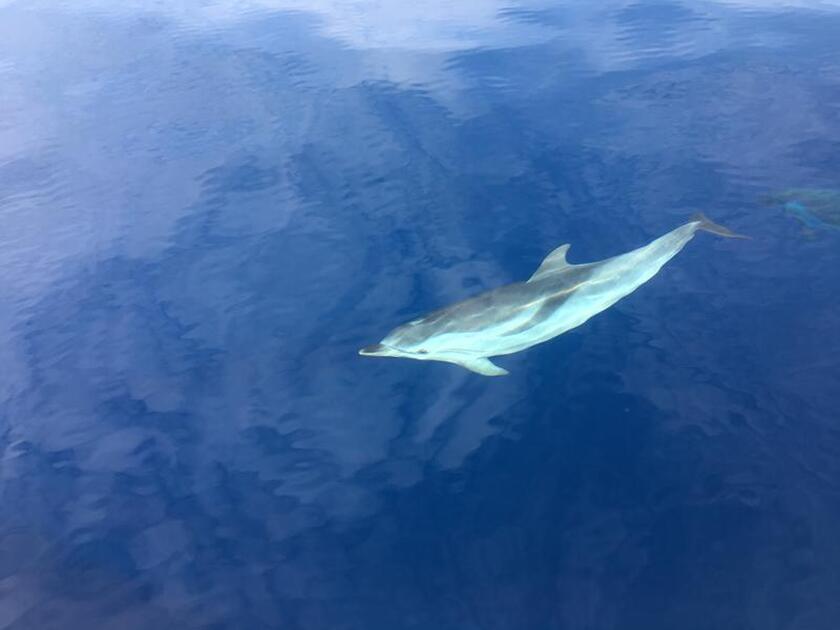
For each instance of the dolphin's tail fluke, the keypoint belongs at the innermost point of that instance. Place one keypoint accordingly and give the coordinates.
(710, 226)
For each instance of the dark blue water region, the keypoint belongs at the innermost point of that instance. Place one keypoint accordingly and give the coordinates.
(208, 208)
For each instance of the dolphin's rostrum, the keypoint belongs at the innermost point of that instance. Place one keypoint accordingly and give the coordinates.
(558, 297)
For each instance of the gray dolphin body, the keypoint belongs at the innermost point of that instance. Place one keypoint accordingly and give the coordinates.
(558, 297)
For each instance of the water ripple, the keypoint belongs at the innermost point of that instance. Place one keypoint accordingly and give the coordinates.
(208, 208)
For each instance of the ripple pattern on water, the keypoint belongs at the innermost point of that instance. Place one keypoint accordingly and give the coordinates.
(207, 208)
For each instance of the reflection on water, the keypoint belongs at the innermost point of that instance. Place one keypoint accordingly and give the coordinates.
(207, 209)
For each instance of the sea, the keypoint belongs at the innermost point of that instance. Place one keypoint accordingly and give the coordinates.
(207, 207)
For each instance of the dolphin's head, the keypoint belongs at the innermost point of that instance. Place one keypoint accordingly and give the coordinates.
(409, 341)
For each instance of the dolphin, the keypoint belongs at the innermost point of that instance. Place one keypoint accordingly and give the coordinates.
(559, 296)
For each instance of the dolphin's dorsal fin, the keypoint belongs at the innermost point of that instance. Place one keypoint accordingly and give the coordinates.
(555, 261)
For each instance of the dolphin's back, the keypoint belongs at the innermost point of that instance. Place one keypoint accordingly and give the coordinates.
(557, 298)
(501, 314)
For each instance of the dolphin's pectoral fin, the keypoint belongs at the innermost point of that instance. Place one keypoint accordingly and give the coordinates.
(480, 365)
(555, 261)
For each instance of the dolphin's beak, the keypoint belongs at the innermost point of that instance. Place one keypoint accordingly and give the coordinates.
(374, 350)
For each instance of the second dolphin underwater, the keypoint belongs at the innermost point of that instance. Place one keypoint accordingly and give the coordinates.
(558, 297)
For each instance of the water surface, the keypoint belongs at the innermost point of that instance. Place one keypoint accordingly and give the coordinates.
(207, 209)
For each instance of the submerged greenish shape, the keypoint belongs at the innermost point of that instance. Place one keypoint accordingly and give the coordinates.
(816, 208)
(559, 296)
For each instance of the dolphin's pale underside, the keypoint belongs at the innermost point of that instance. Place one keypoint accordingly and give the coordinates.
(558, 297)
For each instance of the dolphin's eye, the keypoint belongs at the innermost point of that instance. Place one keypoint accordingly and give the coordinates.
(422, 352)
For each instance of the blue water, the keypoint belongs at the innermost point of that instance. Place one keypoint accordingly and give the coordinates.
(208, 208)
